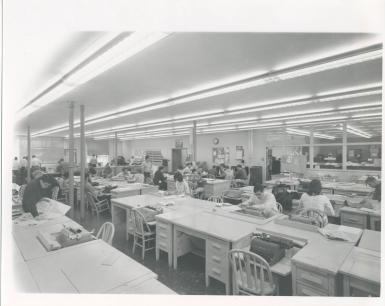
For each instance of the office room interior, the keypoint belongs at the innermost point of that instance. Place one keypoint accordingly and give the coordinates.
(199, 163)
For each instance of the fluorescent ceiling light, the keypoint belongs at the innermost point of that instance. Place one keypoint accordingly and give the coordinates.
(317, 120)
(367, 115)
(346, 89)
(313, 111)
(360, 105)
(308, 133)
(233, 120)
(119, 52)
(201, 114)
(358, 132)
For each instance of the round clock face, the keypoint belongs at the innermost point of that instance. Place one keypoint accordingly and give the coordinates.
(215, 141)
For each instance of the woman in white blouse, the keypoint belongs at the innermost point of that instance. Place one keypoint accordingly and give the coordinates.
(316, 201)
(181, 185)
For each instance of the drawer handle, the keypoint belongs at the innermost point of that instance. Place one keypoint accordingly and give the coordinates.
(216, 246)
(352, 220)
(216, 259)
(313, 279)
(216, 271)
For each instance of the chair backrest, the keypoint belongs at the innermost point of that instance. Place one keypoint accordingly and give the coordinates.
(91, 200)
(215, 199)
(279, 207)
(252, 274)
(55, 192)
(319, 216)
(106, 232)
(140, 224)
(21, 193)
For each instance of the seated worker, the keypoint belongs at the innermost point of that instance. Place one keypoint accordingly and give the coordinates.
(126, 173)
(180, 170)
(229, 174)
(37, 190)
(221, 174)
(159, 178)
(313, 199)
(262, 200)
(373, 201)
(187, 169)
(212, 173)
(91, 169)
(88, 188)
(240, 175)
(107, 171)
(181, 185)
(197, 183)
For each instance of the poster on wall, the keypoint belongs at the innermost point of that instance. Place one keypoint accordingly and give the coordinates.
(221, 155)
(239, 152)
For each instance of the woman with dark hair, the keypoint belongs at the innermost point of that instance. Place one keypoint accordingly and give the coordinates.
(147, 168)
(159, 179)
(262, 200)
(313, 199)
(181, 185)
(88, 188)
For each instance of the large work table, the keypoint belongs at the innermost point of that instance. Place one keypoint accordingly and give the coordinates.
(90, 267)
(198, 226)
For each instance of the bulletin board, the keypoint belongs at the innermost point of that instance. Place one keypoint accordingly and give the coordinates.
(221, 155)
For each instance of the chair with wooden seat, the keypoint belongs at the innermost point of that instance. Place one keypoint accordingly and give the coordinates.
(106, 232)
(143, 234)
(319, 216)
(251, 274)
(215, 199)
(21, 193)
(96, 205)
(279, 207)
(55, 193)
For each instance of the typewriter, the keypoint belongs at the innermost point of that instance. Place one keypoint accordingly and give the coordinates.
(271, 248)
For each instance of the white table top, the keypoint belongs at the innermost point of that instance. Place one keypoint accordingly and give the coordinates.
(363, 264)
(85, 269)
(150, 286)
(371, 240)
(215, 225)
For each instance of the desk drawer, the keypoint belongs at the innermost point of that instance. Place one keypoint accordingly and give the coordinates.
(313, 278)
(217, 263)
(354, 220)
(307, 290)
(362, 288)
(163, 236)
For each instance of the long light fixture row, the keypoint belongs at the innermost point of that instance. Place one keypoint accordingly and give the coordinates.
(292, 117)
(367, 91)
(240, 83)
(112, 50)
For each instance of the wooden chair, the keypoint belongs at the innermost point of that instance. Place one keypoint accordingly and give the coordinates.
(21, 193)
(143, 234)
(317, 215)
(279, 207)
(215, 199)
(55, 193)
(106, 232)
(96, 205)
(251, 274)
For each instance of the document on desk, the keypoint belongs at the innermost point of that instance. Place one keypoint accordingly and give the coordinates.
(335, 234)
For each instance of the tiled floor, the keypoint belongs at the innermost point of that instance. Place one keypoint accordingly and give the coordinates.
(189, 278)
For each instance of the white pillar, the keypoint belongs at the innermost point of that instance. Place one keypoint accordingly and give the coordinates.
(71, 157)
(28, 153)
(311, 149)
(344, 145)
(82, 163)
(250, 156)
(194, 141)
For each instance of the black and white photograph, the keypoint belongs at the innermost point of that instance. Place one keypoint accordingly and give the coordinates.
(191, 160)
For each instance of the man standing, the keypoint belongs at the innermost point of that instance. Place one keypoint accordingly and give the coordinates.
(147, 169)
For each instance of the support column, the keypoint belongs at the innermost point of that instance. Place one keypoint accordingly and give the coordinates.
(194, 141)
(82, 164)
(71, 150)
(250, 156)
(116, 147)
(311, 149)
(344, 145)
(28, 154)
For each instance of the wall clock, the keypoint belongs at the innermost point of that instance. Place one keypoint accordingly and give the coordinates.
(215, 141)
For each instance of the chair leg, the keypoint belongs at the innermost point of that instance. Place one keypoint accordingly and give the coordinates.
(134, 244)
(143, 247)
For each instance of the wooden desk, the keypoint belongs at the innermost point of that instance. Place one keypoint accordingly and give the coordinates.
(81, 269)
(361, 272)
(354, 217)
(371, 240)
(220, 234)
(215, 187)
(132, 190)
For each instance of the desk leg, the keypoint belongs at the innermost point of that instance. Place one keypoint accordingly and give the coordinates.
(345, 286)
(170, 258)
(276, 282)
(174, 246)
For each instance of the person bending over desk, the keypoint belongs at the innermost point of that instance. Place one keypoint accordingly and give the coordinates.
(240, 176)
(374, 199)
(126, 173)
(262, 200)
(97, 194)
(107, 171)
(159, 179)
(312, 199)
(181, 185)
(37, 190)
